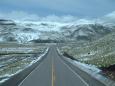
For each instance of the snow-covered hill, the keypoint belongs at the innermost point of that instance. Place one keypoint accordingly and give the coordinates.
(86, 31)
(26, 31)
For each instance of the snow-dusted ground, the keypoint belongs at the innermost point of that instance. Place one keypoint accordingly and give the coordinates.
(34, 61)
(6, 76)
(91, 70)
(86, 67)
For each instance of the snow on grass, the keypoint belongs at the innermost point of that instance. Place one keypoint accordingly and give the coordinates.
(36, 60)
(91, 70)
(5, 77)
(19, 68)
(87, 67)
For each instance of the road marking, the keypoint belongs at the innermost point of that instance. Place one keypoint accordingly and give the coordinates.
(53, 73)
(21, 83)
(74, 73)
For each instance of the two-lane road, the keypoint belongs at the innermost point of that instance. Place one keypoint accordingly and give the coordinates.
(53, 72)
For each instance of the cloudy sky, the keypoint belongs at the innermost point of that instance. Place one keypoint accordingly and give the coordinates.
(79, 8)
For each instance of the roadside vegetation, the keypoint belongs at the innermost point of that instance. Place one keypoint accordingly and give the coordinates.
(100, 53)
(16, 57)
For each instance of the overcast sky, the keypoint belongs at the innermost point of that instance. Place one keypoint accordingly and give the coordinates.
(79, 8)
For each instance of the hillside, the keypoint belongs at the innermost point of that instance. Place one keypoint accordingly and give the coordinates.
(29, 31)
(100, 53)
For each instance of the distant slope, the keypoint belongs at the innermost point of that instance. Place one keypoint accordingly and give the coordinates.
(87, 32)
(29, 31)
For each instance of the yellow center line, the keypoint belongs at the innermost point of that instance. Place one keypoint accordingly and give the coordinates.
(53, 73)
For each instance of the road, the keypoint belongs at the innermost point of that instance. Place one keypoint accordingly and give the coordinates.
(53, 71)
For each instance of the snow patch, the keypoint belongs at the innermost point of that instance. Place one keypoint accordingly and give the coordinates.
(87, 67)
(5, 77)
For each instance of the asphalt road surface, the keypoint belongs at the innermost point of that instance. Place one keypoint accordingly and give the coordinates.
(53, 72)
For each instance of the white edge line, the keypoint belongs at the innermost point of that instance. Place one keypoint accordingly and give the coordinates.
(74, 72)
(34, 69)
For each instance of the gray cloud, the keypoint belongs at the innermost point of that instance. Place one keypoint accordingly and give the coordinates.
(21, 15)
(90, 8)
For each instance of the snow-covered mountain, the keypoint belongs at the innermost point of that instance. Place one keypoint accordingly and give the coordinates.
(86, 31)
(26, 31)
(10, 31)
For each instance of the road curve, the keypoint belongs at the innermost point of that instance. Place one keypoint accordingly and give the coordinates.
(53, 72)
